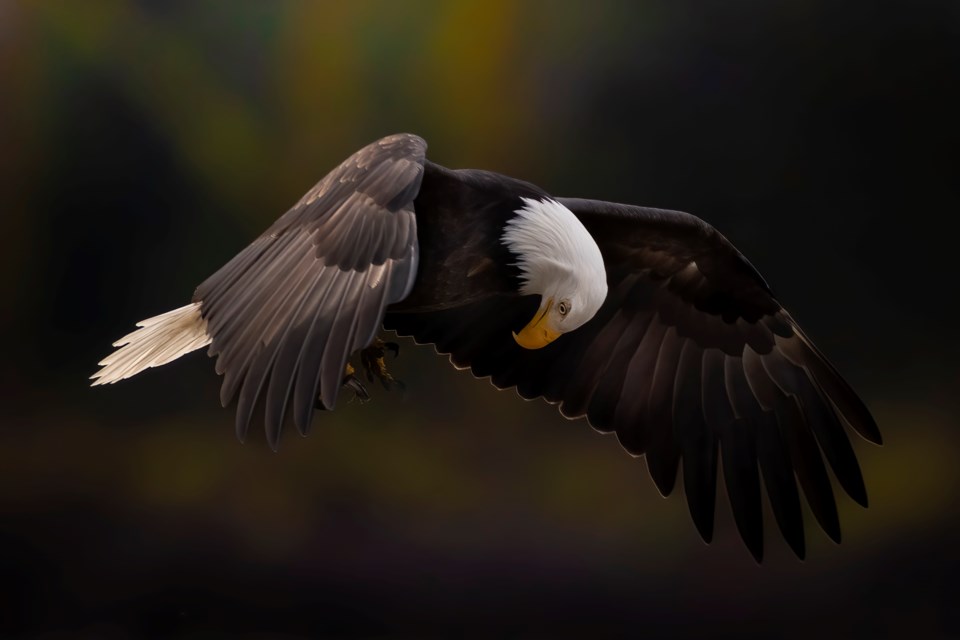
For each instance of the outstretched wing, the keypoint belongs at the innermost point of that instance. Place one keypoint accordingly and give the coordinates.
(285, 314)
(690, 358)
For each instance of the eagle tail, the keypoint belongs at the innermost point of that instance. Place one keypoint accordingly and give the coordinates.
(159, 340)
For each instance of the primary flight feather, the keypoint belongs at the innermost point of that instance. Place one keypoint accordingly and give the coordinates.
(646, 321)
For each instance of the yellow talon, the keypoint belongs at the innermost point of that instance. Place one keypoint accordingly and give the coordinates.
(374, 363)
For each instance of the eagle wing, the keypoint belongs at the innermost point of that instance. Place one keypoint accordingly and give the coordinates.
(690, 358)
(285, 314)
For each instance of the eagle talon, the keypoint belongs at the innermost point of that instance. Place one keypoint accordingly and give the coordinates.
(373, 360)
(389, 382)
(360, 392)
(351, 382)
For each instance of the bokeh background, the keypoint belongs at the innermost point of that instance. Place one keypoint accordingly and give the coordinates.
(143, 143)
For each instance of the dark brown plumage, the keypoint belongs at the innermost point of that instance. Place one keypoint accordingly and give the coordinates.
(691, 360)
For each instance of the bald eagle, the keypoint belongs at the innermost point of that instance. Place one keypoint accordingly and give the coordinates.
(647, 322)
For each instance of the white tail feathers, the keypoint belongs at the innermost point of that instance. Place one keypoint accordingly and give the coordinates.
(159, 340)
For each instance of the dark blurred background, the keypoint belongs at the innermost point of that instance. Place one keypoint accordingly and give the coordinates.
(144, 143)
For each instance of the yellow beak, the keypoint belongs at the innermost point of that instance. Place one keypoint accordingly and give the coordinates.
(537, 334)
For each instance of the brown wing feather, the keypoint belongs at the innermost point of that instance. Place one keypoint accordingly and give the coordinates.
(287, 311)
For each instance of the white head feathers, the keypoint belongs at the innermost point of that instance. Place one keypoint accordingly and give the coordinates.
(558, 258)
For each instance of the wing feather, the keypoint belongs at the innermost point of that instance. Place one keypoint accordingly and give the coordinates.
(663, 454)
(778, 478)
(606, 398)
(738, 444)
(240, 343)
(596, 358)
(630, 416)
(286, 313)
(287, 363)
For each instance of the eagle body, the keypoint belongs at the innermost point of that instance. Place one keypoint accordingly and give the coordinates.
(461, 216)
(647, 322)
